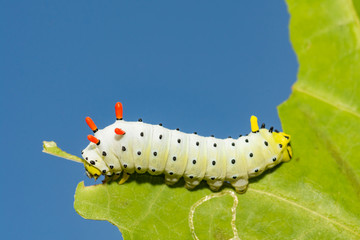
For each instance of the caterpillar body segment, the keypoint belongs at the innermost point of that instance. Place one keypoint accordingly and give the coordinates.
(129, 147)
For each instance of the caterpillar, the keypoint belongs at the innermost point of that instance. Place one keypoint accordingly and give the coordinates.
(126, 147)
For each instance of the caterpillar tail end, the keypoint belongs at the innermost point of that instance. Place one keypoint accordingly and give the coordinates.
(254, 124)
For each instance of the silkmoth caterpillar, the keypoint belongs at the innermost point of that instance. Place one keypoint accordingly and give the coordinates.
(127, 147)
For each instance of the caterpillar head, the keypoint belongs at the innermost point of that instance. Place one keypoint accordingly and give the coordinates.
(94, 164)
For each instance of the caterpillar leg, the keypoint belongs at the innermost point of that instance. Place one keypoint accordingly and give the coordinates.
(240, 185)
(215, 184)
(171, 180)
(124, 178)
(191, 183)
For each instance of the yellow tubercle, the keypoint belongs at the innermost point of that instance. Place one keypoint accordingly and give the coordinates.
(254, 124)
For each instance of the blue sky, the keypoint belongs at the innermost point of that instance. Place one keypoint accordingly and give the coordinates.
(200, 66)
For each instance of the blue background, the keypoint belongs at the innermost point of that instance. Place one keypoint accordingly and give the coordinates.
(200, 66)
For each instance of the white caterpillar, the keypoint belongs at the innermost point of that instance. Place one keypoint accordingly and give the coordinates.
(128, 147)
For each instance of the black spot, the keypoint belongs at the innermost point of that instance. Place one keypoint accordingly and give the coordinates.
(212, 178)
(139, 153)
(280, 145)
(179, 140)
(266, 143)
(233, 161)
(214, 163)
(139, 168)
(234, 177)
(96, 175)
(87, 158)
(271, 129)
(82, 152)
(153, 170)
(194, 161)
(141, 134)
(277, 131)
(251, 154)
(117, 173)
(92, 162)
(123, 148)
(104, 153)
(195, 132)
(177, 129)
(160, 124)
(256, 170)
(155, 153)
(215, 144)
(247, 140)
(125, 165)
(174, 158)
(287, 137)
(240, 135)
(191, 177)
(160, 136)
(171, 173)
(104, 171)
(274, 159)
(140, 120)
(111, 166)
(233, 144)
(263, 125)
(197, 143)
(128, 173)
(212, 136)
(229, 136)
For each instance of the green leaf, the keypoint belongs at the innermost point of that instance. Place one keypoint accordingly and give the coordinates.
(314, 196)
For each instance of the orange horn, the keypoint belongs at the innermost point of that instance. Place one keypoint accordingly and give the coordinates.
(91, 124)
(93, 139)
(118, 111)
(119, 131)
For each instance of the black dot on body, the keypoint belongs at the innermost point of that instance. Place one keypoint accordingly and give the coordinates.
(153, 170)
(140, 120)
(155, 153)
(212, 178)
(104, 171)
(104, 153)
(82, 152)
(87, 158)
(179, 140)
(125, 165)
(197, 143)
(256, 170)
(251, 154)
(274, 159)
(111, 166)
(141, 134)
(212, 136)
(233, 161)
(123, 148)
(178, 129)
(247, 140)
(160, 136)
(191, 177)
(215, 145)
(174, 158)
(92, 162)
(195, 132)
(233, 144)
(266, 143)
(139, 168)
(171, 173)
(138, 153)
(280, 145)
(234, 177)
(194, 161)
(213, 163)
(160, 124)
